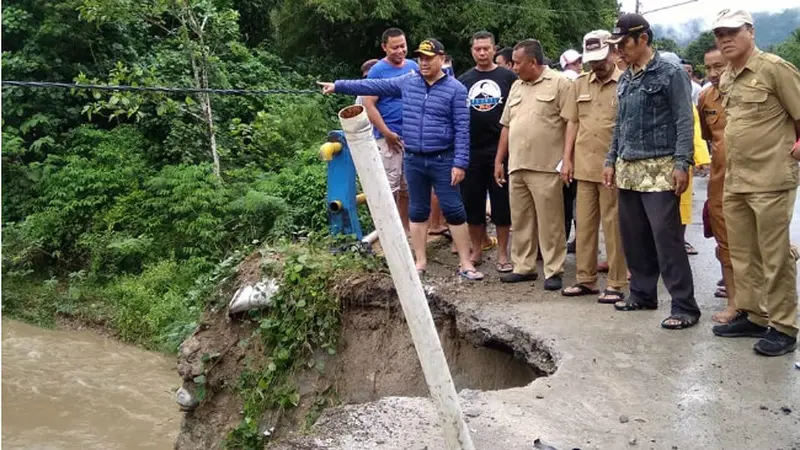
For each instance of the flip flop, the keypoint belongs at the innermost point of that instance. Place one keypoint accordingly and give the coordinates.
(689, 249)
(721, 293)
(470, 274)
(580, 292)
(610, 297)
(684, 321)
(492, 245)
(504, 267)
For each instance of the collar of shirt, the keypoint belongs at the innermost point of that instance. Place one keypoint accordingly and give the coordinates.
(614, 76)
(547, 73)
(636, 69)
(751, 64)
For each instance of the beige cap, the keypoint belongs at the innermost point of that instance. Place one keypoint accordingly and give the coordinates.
(732, 18)
(595, 45)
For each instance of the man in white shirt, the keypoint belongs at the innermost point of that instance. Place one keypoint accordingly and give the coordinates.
(571, 64)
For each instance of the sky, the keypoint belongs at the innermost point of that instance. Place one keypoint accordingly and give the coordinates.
(706, 9)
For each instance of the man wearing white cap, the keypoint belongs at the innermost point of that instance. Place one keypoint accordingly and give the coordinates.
(592, 114)
(571, 64)
(761, 97)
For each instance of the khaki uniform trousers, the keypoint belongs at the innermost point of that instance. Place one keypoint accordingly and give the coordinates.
(596, 203)
(765, 272)
(716, 216)
(537, 215)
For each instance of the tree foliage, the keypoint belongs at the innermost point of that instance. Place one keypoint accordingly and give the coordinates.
(790, 48)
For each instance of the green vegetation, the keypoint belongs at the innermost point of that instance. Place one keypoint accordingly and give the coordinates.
(304, 317)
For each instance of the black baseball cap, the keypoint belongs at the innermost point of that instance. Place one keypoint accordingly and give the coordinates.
(430, 47)
(628, 24)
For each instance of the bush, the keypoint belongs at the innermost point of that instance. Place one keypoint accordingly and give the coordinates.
(152, 309)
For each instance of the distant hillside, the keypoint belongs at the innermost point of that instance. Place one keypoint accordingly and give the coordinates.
(771, 28)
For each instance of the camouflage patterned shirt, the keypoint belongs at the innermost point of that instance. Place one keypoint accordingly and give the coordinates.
(645, 175)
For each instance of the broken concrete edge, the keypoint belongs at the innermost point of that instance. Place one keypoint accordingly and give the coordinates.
(362, 291)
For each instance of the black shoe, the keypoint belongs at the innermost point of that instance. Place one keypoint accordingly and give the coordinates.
(740, 326)
(519, 277)
(553, 283)
(571, 247)
(775, 343)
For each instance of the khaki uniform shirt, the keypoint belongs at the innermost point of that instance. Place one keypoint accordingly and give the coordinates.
(535, 121)
(762, 102)
(712, 126)
(593, 105)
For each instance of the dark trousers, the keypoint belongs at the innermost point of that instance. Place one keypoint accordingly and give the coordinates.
(650, 225)
(569, 206)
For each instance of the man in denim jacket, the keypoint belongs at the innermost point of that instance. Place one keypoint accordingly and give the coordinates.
(650, 155)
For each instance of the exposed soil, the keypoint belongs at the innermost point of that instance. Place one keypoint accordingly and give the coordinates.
(376, 358)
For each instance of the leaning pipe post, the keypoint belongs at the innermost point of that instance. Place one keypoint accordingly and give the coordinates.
(364, 150)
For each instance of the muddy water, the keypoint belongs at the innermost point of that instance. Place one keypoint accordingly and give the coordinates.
(77, 390)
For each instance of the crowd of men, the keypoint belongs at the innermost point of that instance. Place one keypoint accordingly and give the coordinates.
(623, 140)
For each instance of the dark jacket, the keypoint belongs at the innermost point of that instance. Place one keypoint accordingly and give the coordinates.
(655, 117)
(435, 117)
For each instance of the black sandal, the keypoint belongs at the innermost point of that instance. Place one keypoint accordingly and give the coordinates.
(633, 304)
(616, 296)
(582, 290)
(684, 321)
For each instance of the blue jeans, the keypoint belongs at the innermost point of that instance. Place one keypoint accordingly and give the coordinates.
(424, 172)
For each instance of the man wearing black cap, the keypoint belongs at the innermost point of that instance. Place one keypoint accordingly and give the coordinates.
(650, 155)
(436, 137)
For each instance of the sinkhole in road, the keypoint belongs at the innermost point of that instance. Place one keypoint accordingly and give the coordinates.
(377, 357)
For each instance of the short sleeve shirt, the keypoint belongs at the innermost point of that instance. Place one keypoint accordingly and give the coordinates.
(712, 126)
(391, 108)
(536, 122)
(487, 96)
(593, 105)
(762, 102)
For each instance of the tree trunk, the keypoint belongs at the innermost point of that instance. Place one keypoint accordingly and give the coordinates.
(201, 81)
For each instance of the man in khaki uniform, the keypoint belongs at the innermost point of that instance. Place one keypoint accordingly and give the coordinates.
(712, 126)
(761, 95)
(592, 114)
(533, 138)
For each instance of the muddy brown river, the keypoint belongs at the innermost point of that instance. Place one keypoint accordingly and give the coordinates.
(78, 390)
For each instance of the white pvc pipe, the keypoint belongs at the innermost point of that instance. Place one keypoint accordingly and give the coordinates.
(370, 238)
(364, 150)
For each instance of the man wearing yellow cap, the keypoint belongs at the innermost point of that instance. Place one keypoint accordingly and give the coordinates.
(761, 97)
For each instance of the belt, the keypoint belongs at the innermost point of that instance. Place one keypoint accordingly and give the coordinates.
(431, 153)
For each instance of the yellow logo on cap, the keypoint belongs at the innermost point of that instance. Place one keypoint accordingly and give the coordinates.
(426, 46)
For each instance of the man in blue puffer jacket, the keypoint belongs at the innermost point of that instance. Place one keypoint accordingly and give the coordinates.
(436, 140)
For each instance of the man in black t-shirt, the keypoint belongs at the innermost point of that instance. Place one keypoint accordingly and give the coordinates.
(488, 86)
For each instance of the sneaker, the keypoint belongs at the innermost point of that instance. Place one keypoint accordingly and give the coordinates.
(775, 343)
(519, 277)
(553, 283)
(740, 326)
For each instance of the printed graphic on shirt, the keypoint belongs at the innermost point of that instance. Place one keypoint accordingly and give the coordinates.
(485, 95)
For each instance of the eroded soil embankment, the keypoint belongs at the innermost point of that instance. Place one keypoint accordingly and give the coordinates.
(376, 358)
